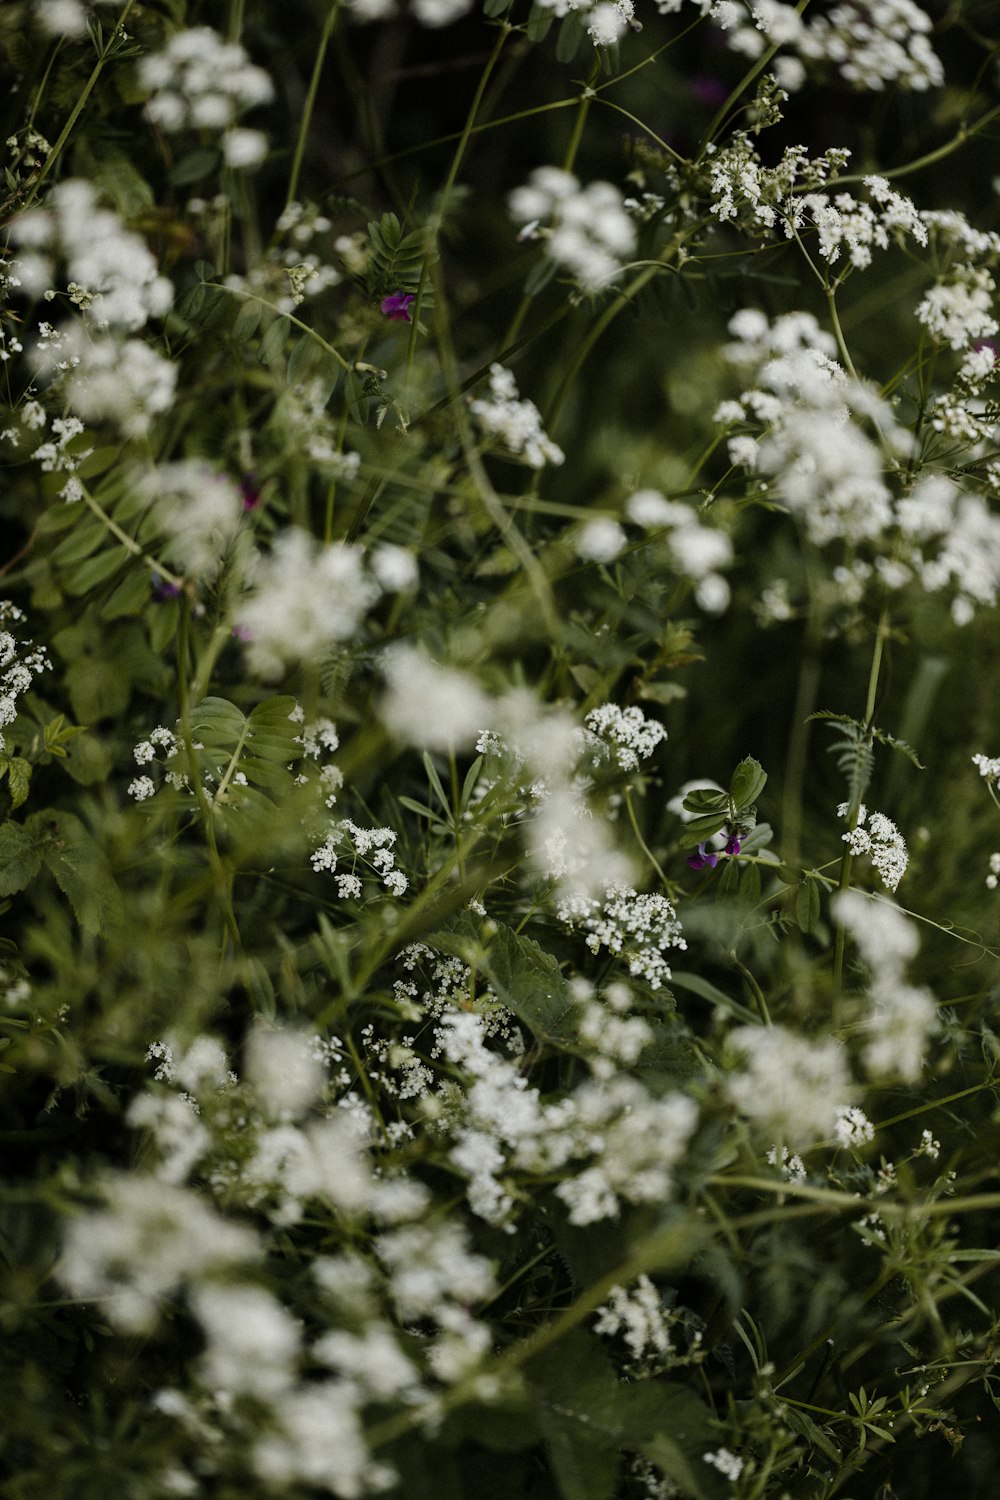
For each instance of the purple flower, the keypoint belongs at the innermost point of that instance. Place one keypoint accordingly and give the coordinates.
(163, 589)
(732, 844)
(397, 306)
(249, 493)
(699, 860)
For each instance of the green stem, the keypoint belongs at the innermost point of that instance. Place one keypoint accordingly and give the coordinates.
(847, 858)
(78, 107)
(310, 104)
(235, 291)
(647, 851)
(128, 542)
(964, 134)
(222, 879)
(576, 135)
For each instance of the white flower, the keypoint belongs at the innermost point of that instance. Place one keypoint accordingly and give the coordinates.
(305, 599)
(432, 706)
(600, 540)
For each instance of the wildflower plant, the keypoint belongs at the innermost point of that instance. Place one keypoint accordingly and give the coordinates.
(433, 435)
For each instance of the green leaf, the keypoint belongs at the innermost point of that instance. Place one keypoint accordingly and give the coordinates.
(704, 988)
(748, 782)
(700, 829)
(523, 975)
(81, 871)
(529, 982)
(194, 166)
(95, 571)
(896, 744)
(571, 34)
(20, 856)
(247, 321)
(807, 905)
(18, 779)
(272, 345)
(704, 800)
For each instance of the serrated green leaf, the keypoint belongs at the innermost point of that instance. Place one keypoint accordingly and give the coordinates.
(20, 856)
(893, 743)
(81, 871)
(18, 779)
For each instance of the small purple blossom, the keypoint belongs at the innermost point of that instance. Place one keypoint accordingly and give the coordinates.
(397, 306)
(700, 859)
(732, 844)
(249, 493)
(164, 589)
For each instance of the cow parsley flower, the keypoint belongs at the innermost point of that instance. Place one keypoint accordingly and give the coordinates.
(789, 1083)
(304, 599)
(879, 838)
(587, 230)
(514, 423)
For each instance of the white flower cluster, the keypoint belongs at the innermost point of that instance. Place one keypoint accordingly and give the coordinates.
(156, 1239)
(872, 43)
(199, 511)
(115, 276)
(988, 766)
(881, 840)
(628, 1140)
(744, 189)
(113, 280)
(993, 878)
(587, 230)
(902, 1018)
(617, 1038)
(624, 733)
(853, 1128)
(729, 1464)
(201, 82)
(965, 534)
(831, 473)
(789, 1084)
(959, 311)
(433, 13)
(829, 470)
(20, 663)
(514, 424)
(429, 705)
(696, 551)
(372, 846)
(639, 1318)
(304, 599)
(165, 740)
(637, 928)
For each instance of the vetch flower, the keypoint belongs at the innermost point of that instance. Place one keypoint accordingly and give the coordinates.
(397, 306)
(732, 844)
(700, 859)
